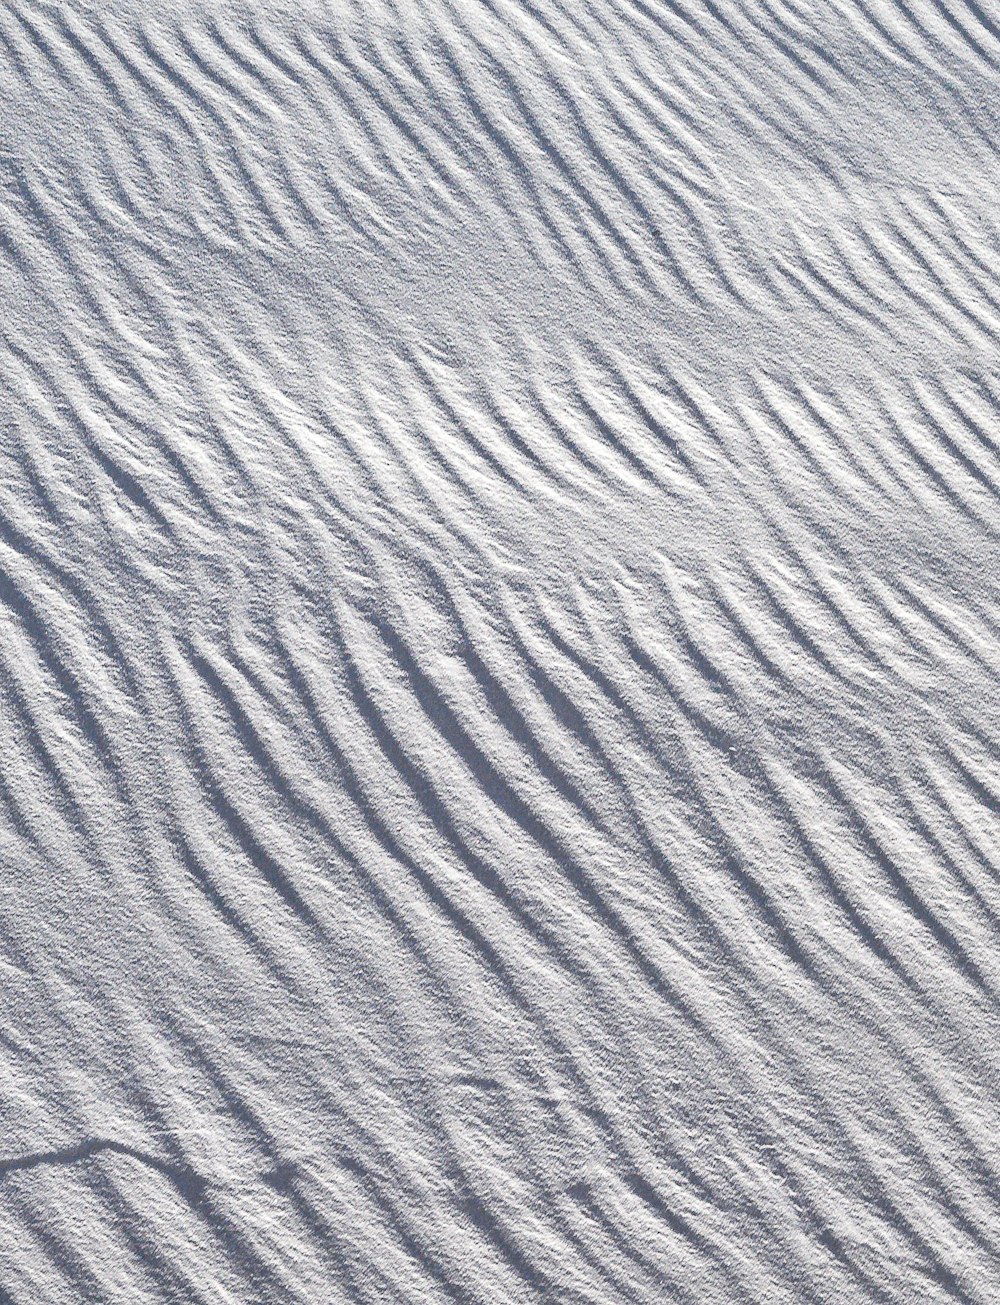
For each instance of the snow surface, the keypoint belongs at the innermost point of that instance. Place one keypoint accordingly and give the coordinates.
(499, 562)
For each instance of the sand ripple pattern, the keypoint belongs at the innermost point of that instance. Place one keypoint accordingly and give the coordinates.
(499, 652)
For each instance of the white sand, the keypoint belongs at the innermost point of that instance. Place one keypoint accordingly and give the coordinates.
(499, 641)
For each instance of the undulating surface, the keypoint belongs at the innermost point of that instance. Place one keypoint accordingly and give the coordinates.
(499, 554)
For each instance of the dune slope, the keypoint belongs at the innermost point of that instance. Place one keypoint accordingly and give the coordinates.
(499, 640)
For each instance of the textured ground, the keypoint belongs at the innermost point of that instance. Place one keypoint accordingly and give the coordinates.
(499, 645)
